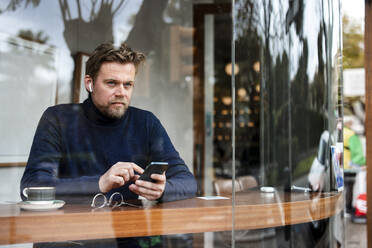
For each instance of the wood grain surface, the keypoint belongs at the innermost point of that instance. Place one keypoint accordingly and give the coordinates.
(253, 210)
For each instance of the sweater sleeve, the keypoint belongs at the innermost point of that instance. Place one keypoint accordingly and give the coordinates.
(181, 183)
(45, 158)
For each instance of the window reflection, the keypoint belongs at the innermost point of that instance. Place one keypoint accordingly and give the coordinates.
(287, 90)
(34, 86)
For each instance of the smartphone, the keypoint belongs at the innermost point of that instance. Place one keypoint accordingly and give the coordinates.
(153, 168)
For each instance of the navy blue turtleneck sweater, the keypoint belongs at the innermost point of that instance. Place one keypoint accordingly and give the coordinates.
(75, 144)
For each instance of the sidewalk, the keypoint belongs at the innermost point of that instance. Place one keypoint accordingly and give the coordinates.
(355, 234)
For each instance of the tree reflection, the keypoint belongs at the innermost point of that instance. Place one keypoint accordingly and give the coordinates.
(15, 4)
(292, 102)
(98, 28)
(81, 35)
(261, 27)
(148, 21)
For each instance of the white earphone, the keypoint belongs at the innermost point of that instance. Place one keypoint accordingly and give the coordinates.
(90, 87)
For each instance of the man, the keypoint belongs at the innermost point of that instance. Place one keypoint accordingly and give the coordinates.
(353, 149)
(354, 165)
(103, 144)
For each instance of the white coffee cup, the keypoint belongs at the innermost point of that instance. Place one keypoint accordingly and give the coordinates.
(40, 195)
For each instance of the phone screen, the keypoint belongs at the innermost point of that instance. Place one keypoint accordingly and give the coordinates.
(153, 168)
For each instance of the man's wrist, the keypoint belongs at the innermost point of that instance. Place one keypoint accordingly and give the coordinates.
(100, 186)
(160, 199)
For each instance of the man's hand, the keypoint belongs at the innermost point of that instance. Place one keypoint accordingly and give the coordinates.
(151, 191)
(118, 175)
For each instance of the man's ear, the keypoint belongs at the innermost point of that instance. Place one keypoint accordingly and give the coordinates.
(88, 81)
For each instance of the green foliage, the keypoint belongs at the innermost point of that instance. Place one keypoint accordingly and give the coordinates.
(353, 43)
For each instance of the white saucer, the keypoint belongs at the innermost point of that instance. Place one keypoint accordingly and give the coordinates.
(40, 202)
(267, 189)
(37, 206)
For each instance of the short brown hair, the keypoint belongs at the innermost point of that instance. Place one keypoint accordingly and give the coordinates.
(108, 53)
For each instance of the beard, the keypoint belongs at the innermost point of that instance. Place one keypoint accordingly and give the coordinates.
(114, 111)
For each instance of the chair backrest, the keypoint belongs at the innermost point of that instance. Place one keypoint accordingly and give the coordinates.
(224, 186)
(247, 182)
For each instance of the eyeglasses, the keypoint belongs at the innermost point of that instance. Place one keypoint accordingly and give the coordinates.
(110, 203)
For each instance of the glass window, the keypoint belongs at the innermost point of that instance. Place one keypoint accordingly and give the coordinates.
(287, 60)
(239, 101)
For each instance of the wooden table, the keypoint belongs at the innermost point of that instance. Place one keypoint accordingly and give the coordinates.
(253, 210)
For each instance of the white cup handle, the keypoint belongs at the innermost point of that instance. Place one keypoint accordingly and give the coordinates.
(24, 192)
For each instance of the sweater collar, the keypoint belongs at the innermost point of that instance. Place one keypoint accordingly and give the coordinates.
(94, 115)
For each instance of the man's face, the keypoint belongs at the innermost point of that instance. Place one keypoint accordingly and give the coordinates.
(113, 88)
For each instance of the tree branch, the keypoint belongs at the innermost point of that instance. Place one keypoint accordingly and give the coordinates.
(79, 9)
(118, 7)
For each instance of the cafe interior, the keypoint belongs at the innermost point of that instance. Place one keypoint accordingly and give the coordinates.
(249, 92)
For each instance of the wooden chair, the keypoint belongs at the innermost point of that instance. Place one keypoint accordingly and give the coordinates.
(247, 182)
(224, 186)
